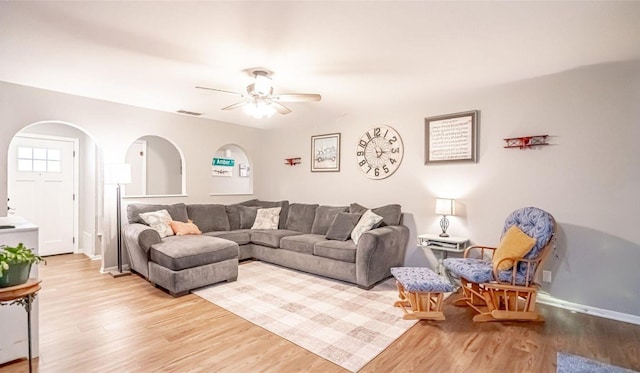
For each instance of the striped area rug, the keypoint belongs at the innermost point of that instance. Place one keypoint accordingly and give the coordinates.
(335, 320)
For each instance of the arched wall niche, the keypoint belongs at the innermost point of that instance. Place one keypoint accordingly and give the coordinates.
(231, 180)
(157, 168)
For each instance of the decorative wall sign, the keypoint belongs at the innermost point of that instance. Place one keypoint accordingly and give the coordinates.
(243, 169)
(222, 167)
(379, 152)
(325, 153)
(451, 137)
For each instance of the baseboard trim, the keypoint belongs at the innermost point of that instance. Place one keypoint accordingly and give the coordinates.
(92, 257)
(607, 314)
(125, 268)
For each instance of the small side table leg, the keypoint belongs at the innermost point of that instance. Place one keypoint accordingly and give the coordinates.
(27, 306)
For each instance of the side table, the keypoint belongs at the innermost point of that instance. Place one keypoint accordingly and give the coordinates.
(23, 295)
(444, 245)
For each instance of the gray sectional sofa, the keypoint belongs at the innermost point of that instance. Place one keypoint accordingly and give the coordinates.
(182, 263)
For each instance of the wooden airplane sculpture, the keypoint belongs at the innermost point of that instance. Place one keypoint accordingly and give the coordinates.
(292, 161)
(526, 141)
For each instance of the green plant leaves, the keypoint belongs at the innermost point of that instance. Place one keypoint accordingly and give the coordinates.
(17, 254)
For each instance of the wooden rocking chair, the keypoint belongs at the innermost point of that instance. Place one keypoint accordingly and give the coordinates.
(497, 293)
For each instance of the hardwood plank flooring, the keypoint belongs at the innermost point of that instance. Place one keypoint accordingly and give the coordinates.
(91, 322)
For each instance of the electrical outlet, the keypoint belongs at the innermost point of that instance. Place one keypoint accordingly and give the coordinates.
(546, 276)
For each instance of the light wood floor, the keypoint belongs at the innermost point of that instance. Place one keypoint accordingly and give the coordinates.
(90, 322)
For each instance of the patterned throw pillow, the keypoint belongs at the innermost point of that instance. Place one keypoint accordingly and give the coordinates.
(159, 221)
(181, 229)
(366, 222)
(267, 218)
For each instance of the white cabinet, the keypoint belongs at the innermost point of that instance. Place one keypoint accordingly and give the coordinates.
(13, 319)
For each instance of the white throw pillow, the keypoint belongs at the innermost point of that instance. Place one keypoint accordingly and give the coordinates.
(267, 218)
(366, 222)
(159, 221)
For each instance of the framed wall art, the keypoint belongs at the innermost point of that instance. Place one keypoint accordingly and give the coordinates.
(325, 153)
(451, 137)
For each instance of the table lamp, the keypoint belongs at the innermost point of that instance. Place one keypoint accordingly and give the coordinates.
(445, 207)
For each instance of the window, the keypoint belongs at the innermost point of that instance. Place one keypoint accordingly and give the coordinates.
(39, 159)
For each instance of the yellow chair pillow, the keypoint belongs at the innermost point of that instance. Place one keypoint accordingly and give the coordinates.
(514, 244)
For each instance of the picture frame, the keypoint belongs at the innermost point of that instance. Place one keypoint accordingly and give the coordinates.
(451, 137)
(325, 153)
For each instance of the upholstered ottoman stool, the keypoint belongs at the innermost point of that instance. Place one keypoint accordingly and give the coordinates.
(421, 292)
(182, 263)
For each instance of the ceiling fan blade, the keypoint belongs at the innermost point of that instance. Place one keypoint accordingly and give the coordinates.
(221, 90)
(297, 97)
(236, 105)
(280, 108)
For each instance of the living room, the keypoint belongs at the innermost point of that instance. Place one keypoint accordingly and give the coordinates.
(586, 178)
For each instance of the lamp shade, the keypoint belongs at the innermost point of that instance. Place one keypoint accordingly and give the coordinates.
(117, 173)
(445, 206)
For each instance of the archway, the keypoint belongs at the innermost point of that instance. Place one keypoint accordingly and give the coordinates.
(88, 195)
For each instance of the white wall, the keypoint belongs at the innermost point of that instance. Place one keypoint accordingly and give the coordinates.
(114, 127)
(588, 179)
(164, 167)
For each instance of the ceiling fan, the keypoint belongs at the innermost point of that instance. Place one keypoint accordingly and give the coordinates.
(259, 100)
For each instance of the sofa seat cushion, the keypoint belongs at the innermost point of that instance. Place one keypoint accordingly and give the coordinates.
(344, 251)
(182, 252)
(270, 237)
(302, 243)
(239, 236)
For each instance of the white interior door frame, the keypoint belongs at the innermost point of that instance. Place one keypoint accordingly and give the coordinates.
(76, 167)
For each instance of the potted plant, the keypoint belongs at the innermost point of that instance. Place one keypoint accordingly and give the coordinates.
(15, 264)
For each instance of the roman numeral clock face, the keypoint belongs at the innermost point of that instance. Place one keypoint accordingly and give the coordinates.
(379, 152)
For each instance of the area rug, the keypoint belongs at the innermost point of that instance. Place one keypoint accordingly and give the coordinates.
(335, 320)
(568, 363)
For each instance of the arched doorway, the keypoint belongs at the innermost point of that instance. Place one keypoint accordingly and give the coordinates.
(55, 181)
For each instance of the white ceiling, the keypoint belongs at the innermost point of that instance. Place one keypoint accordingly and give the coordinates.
(355, 54)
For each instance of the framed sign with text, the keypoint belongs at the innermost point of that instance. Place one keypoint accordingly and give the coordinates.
(451, 137)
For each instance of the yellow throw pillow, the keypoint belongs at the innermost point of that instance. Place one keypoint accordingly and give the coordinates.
(181, 229)
(514, 244)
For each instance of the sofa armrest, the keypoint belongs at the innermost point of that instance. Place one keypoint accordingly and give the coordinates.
(138, 238)
(378, 250)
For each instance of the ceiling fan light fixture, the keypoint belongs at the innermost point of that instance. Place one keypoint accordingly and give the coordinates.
(262, 84)
(259, 109)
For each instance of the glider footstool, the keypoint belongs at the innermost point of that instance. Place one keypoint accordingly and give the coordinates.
(421, 292)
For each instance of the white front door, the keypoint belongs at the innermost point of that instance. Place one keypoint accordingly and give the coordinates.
(41, 188)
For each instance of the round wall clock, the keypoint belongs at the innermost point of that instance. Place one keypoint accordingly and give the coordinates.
(379, 152)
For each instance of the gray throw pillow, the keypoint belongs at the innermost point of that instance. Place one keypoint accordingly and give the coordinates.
(342, 225)
(324, 217)
(247, 216)
(391, 214)
(233, 213)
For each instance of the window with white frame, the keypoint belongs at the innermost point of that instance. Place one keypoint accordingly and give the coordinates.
(38, 159)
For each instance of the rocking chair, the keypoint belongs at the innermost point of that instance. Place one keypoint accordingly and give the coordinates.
(499, 283)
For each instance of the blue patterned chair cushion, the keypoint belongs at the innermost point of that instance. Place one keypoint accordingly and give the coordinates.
(421, 280)
(535, 223)
(479, 271)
